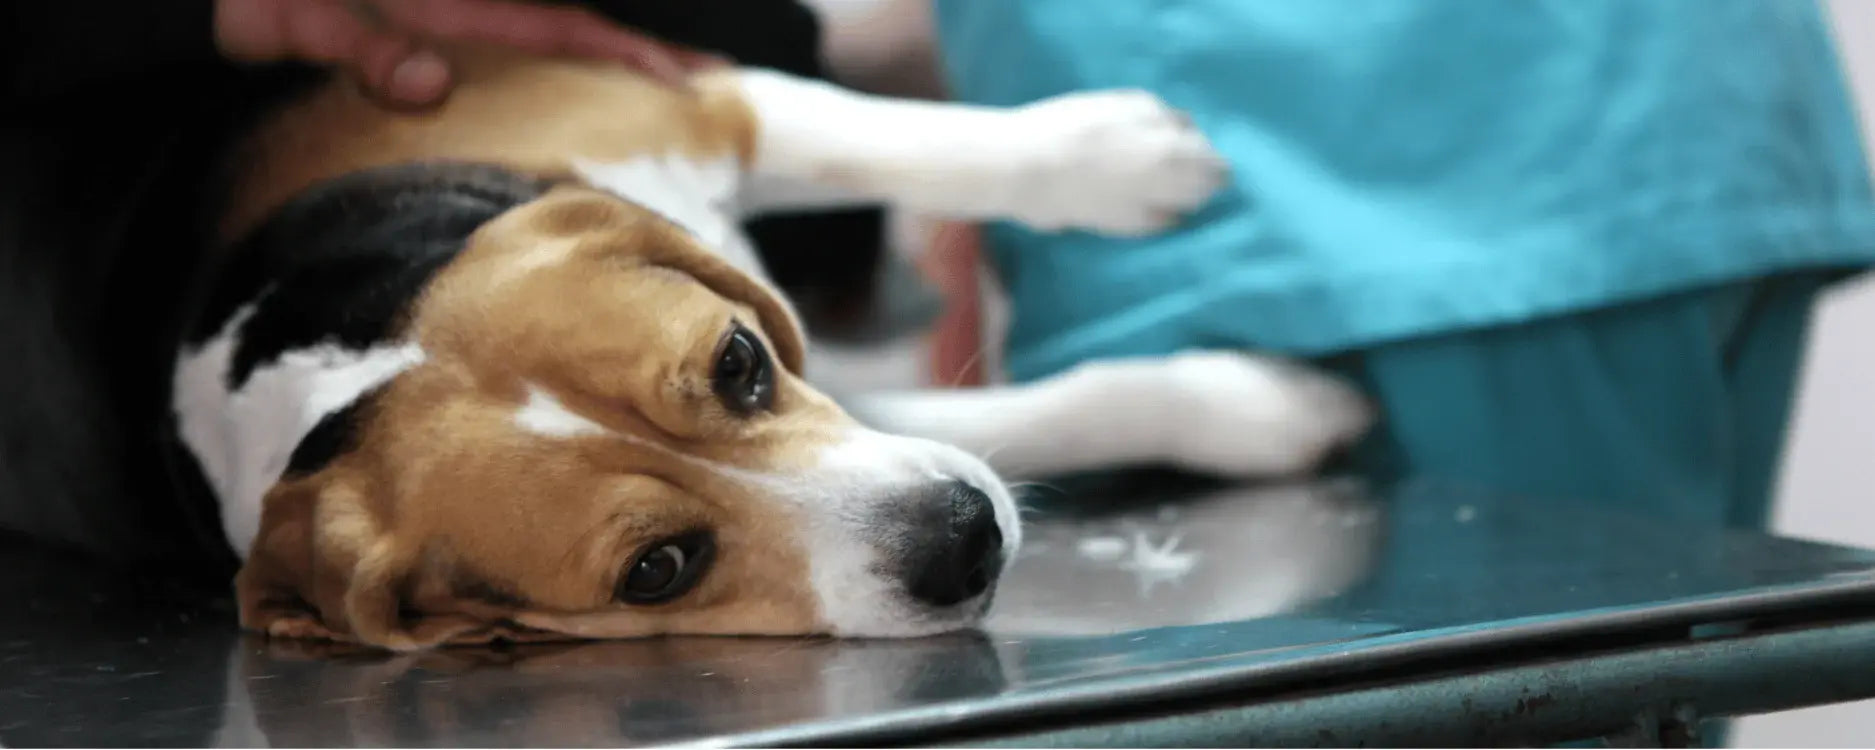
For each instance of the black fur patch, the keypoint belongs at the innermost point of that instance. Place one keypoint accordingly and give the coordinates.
(333, 435)
(341, 263)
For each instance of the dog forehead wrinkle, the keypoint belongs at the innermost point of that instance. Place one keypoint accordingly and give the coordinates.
(534, 258)
(780, 486)
(543, 414)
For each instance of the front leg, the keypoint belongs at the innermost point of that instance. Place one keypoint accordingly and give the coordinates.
(1117, 162)
(1222, 413)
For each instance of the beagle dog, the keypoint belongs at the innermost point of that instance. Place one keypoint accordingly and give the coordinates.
(510, 369)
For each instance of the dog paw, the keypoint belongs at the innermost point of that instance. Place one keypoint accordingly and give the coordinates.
(1118, 162)
(303, 628)
(1244, 416)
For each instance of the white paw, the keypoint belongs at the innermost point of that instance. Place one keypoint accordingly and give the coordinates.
(1119, 162)
(1241, 415)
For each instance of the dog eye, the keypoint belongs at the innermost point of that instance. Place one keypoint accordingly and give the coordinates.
(665, 569)
(743, 377)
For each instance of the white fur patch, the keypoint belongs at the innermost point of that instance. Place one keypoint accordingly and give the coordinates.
(848, 490)
(699, 196)
(1218, 412)
(545, 415)
(843, 500)
(1119, 161)
(243, 439)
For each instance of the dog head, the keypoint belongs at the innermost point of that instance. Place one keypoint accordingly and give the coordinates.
(599, 430)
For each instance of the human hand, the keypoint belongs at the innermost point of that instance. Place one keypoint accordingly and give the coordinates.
(384, 43)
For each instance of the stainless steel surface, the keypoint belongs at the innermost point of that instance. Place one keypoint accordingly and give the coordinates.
(1135, 597)
(1658, 696)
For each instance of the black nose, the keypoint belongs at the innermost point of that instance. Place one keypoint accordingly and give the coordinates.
(962, 558)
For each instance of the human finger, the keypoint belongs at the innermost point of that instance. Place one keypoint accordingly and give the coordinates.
(538, 29)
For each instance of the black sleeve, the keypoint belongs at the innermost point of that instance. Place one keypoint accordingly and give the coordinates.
(58, 45)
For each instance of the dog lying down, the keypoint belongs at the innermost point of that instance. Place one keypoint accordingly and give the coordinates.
(511, 370)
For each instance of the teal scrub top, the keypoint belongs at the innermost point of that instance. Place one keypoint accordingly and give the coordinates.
(1405, 168)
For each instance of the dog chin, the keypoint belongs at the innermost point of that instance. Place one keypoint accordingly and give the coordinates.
(897, 618)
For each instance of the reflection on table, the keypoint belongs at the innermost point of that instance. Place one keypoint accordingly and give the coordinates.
(1118, 592)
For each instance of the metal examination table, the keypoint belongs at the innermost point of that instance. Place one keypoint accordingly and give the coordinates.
(1300, 615)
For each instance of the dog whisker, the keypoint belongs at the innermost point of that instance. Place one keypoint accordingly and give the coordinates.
(1034, 485)
(964, 369)
(1027, 491)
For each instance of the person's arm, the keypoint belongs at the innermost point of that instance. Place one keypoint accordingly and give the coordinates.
(58, 46)
(387, 44)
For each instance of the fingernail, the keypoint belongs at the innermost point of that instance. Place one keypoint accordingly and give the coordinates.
(420, 78)
(704, 60)
(676, 77)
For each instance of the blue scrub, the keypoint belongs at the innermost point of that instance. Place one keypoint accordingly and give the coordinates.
(1570, 246)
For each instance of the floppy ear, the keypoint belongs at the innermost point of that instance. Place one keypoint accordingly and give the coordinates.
(322, 567)
(280, 584)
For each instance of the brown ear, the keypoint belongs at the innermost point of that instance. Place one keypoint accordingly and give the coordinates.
(322, 567)
(279, 586)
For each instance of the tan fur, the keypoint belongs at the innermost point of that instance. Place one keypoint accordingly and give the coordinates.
(530, 114)
(613, 311)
